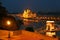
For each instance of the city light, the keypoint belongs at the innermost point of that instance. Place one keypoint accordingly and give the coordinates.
(8, 22)
(50, 21)
(50, 26)
(28, 14)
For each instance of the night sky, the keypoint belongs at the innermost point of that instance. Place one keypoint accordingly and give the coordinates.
(34, 5)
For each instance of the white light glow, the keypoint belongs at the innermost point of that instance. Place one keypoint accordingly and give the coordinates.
(50, 21)
(8, 22)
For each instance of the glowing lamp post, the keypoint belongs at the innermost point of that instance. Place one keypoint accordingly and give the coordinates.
(8, 22)
(10, 33)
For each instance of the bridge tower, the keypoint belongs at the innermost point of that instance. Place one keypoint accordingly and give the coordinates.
(50, 27)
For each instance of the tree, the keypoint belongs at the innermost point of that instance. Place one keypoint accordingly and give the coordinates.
(29, 29)
(3, 10)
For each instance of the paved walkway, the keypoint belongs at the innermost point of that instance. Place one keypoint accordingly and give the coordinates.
(23, 35)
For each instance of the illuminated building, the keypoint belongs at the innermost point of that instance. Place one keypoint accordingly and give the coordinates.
(28, 14)
(50, 27)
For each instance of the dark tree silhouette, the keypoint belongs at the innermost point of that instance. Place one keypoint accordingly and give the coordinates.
(3, 10)
(29, 29)
(4, 17)
(14, 23)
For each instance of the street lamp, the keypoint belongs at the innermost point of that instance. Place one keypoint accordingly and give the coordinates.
(8, 22)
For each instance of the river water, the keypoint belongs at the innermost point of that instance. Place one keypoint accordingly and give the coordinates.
(37, 26)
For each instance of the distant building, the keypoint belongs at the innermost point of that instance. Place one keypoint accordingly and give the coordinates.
(28, 14)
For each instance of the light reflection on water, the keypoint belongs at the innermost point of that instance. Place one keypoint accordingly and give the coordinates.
(35, 25)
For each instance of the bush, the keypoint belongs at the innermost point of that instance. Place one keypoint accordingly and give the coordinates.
(29, 29)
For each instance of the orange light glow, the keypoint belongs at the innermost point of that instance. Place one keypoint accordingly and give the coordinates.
(8, 22)
(50, 26)
(28, 14)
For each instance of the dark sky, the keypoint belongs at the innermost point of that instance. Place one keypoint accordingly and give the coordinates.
(34, 5)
